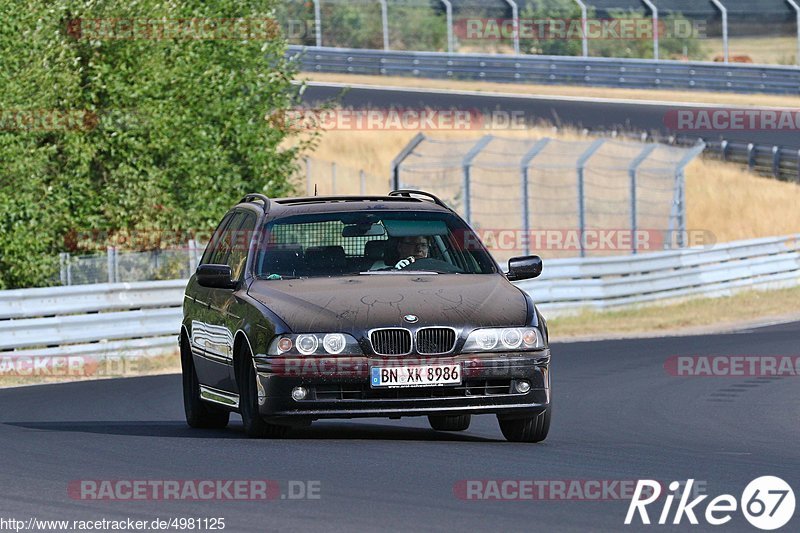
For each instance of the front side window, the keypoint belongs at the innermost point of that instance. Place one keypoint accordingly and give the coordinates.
(343, 244)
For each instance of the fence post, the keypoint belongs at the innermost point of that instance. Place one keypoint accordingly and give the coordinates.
(581, 167)
(404, 153)
(110, 263)
(63, 257)
(192, 245)
(515, 22)
(317, 23)
(632, 172)
(333, 178)
(449, 9)
(654, 10)
(466, 165)
(308, 176)
(385, 23)
(584, 27)
(796, 8)
(724, 12)
(678, 212)
(362, 178)
(524, 164)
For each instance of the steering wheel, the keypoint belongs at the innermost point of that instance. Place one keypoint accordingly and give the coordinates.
(403, 263)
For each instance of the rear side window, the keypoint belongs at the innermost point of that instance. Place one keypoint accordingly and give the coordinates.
(214, 244)
(240, 239)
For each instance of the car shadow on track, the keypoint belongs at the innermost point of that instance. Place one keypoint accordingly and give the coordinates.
(327, 431)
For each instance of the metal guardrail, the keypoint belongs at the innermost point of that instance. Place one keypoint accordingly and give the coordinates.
(589, 71)
(144, 318)
(601, 283)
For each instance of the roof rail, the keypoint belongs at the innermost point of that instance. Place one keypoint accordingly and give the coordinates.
(254, 197)
(408, 192)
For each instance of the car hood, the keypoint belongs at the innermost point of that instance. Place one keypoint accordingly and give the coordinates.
(356, 304)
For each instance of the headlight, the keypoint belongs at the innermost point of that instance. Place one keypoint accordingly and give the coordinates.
(503, 340)
(314, 344)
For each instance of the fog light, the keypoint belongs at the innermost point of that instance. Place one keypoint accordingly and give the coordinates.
(300, 393)
(522, 387)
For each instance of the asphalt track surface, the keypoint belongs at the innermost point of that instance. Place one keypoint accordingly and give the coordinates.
(594, 114)
(618, 416)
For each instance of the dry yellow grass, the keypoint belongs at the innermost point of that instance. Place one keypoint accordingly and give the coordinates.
(767, 50)
(722, 198)
(562, 90)
(689, 316)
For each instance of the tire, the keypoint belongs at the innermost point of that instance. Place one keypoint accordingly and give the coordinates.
(254, 424)
(527, 429)
(450, 422)
(199, 414)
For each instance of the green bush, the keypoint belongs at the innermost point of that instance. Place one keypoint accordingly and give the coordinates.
(174, 129)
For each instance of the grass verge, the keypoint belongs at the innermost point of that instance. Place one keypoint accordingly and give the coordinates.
(16, 374)
(698, 315)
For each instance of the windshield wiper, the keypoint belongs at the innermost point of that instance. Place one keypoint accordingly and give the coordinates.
(395, 272)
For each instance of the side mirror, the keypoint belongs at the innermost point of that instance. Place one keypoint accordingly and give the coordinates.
(520, 268)
(215, 276)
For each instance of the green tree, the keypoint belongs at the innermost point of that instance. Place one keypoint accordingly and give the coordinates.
(174, 128)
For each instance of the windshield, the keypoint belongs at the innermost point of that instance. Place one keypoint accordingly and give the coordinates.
(368, 243)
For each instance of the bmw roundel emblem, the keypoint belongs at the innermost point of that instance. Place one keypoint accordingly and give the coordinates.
(411, 318)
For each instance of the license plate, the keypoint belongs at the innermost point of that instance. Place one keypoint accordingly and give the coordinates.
(415, 376)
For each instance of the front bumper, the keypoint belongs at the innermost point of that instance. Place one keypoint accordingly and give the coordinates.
(339, 387)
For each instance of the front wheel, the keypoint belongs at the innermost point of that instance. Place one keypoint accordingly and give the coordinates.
(254, 424)
(450, 423)
(526, 429)
(198, 413)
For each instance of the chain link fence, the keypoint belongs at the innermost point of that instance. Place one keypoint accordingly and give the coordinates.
(563, 197)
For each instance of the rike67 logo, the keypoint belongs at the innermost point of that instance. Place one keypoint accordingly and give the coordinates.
(767, 503)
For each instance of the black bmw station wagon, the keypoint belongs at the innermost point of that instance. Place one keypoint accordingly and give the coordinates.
(372, 306)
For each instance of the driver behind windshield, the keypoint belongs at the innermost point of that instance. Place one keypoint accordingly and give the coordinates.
(400, 252)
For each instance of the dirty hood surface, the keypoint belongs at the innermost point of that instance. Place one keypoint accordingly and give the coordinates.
(359, 303)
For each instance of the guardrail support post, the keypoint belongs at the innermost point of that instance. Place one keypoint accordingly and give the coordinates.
(318, 23)
(796, 8)
(466, 167)
(724, 148)
(404, 153)
(654, 10)
(449, 10)
(724, 11)
(333, 178)
(751, 156)
(776, 162)
(385, 23)
(632, 172)
(524, 165)
(362, 180)
(581, 167)
(515, 19)
(584, 27)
